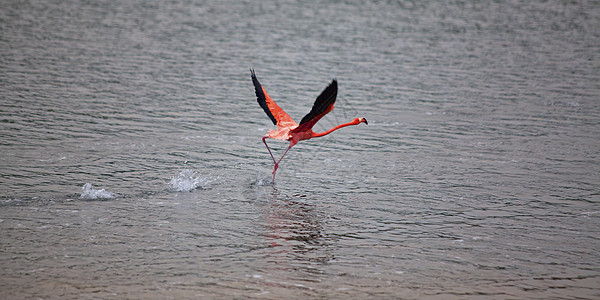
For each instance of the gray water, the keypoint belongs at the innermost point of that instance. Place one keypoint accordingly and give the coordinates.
(132, 164)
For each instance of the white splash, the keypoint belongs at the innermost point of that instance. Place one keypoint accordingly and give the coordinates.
(263, 180)
(187, 180)
(88, 192)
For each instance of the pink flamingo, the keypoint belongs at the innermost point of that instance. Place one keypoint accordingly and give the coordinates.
(287, 128)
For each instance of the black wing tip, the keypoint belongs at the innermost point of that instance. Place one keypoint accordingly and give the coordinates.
(260, 97)
(333, 87)
(325, 99)
(333, 84)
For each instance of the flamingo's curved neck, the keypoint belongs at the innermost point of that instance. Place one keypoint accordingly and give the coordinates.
(353, 122)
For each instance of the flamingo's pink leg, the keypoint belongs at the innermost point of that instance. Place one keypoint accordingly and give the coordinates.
(277, 163)
(264, 141)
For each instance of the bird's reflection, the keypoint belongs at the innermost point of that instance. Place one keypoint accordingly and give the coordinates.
(294, 231)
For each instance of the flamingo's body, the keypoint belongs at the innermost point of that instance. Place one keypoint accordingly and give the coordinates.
(287, 128)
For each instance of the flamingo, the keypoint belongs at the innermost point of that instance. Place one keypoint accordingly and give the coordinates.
(287, 128)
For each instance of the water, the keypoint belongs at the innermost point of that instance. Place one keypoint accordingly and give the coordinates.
(132, 164)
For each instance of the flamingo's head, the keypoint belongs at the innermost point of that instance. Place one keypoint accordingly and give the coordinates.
(363, 120)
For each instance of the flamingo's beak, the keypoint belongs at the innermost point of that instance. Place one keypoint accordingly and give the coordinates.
(365, 121)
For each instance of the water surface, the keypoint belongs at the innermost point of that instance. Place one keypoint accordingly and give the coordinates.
(132, 164)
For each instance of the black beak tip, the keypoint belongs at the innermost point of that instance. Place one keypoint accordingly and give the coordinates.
(366, 123)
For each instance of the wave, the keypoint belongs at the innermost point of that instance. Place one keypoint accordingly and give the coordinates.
(263, 180)
(88, 192)
(188, 180)
(384, 124)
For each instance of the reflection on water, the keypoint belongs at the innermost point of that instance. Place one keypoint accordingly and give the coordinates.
(131, 164)
(294, 229)
(296, 244)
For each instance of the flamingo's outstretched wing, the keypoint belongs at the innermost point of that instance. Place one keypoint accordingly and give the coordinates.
(275, 113)
(323, 105)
